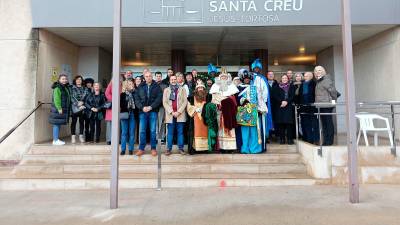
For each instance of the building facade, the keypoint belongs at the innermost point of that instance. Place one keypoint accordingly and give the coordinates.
(40, 39)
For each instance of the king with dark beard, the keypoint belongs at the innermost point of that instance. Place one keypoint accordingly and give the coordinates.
(198, 133)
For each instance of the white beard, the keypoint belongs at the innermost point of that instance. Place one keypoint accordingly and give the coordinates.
(223, 85)
(226, 88)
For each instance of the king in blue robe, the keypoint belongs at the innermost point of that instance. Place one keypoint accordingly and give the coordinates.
(261, 82)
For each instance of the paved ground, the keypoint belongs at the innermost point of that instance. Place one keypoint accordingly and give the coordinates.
(242, 206)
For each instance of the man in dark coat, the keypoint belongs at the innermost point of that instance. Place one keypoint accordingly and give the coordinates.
(272, 84)
(309, 121)
(170, 72)
(148, 99)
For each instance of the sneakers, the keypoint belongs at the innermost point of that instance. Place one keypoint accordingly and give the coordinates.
(81, 138)
(58, 142)
(122, 153)
(182, 152)
(168, 153)
(73, 139)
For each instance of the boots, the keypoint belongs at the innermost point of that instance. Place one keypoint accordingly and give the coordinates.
(73, 139)
(81, 138)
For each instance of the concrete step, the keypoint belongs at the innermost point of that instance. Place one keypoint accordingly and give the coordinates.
(96, 184)
(193, 168)
(70, 159)
(49, 149)
(163, 175)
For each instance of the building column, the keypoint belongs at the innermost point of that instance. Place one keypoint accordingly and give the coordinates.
(178, 60)
(261, 54)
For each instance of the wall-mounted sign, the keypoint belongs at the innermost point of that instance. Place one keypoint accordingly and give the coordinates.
(218, 11)
(205, 13)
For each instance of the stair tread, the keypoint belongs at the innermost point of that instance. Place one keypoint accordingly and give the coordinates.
(164, 176)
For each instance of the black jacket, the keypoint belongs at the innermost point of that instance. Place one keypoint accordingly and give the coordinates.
(154, 99)
(65, 99)
(283, 115)
(95, 101)
(124, 101)
(308, 98)
(273, 102)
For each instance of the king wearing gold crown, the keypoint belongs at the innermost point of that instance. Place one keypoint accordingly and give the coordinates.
(223, 96)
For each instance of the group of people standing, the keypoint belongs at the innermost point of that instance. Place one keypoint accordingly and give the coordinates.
(213, 113)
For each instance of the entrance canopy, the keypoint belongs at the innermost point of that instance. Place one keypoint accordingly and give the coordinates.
(286, 45)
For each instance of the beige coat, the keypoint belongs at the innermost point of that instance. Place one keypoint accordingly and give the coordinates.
(325, 90)
(182, 102)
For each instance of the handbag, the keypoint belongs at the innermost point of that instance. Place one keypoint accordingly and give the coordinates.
(247, 115)
(75, 108)
(107, 105)
(124, 116)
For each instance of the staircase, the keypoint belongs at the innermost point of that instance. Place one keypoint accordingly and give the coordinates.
(88, 167)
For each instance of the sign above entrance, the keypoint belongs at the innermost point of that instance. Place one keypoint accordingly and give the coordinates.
(218, 11)
(206, 13)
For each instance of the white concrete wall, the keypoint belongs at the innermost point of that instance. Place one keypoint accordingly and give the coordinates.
(376, 165)
(88, 64)
(54, 52)
(332, 60)
(376, 61)
(376, 68)
(96, 63)
(18, 63)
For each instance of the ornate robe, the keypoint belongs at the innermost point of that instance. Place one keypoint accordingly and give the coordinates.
(251, 125)
(200, 130)
(226, 133)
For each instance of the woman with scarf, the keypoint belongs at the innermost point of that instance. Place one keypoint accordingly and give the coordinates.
(283, 95)
(127, 115)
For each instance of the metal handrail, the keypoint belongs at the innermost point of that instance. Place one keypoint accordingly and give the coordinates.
(391, 104)
(3, 138)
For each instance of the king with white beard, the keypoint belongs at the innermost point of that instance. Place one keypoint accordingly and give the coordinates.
(223, 95)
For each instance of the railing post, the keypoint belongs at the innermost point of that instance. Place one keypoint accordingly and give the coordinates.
(159, 159)
(297, 127)
(320, 132)
(393, 149)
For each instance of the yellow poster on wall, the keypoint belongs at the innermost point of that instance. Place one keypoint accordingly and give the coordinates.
(54, 74)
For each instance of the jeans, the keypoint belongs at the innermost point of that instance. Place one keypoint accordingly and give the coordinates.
(75, 118)
(145, 119)
(171, 129)
(56, 132)
(108, 131)
(128, 128)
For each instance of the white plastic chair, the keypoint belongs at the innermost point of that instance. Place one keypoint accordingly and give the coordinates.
(367, 124)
